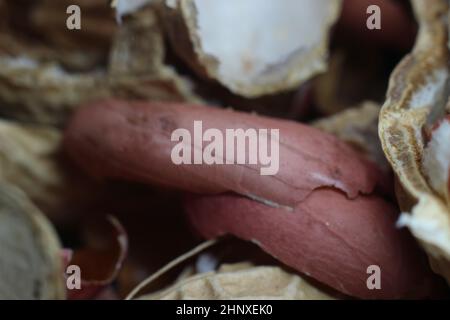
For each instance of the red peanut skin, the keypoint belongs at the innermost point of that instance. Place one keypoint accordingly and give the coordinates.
(328, 237)
(131, 140)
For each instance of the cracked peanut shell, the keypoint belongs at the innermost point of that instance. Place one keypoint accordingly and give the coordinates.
(252, 47)
(416, 98)
(30, 260)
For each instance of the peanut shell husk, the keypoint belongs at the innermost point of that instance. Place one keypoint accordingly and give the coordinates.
(241, 281)
(417, 92)
(30, 250)
(182, 24)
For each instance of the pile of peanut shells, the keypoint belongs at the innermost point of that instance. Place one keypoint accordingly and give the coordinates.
(88, 188)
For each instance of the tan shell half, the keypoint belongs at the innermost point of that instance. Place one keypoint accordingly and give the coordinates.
(417, 94)
(241, 281)
(30, 259)
(252, 47)
(28, 160)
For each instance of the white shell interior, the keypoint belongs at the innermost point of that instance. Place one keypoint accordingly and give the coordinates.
(436, 159)
(431, 90)
(252, 37)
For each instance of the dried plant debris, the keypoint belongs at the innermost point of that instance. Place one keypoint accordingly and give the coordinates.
(359, 127)
(415, 107)
(31, 265)
(46, 92)
(241, 281)
(252, 47)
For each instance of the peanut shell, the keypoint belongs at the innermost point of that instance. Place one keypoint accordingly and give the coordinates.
(260, 53)
(31, 261)
(241, 281)
(417, 94)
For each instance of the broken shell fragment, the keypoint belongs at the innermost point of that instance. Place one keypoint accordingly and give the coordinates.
(252, 47)
(416, 98)
(101, 259)
(136, 68)
(31, 264)
(241, 281)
